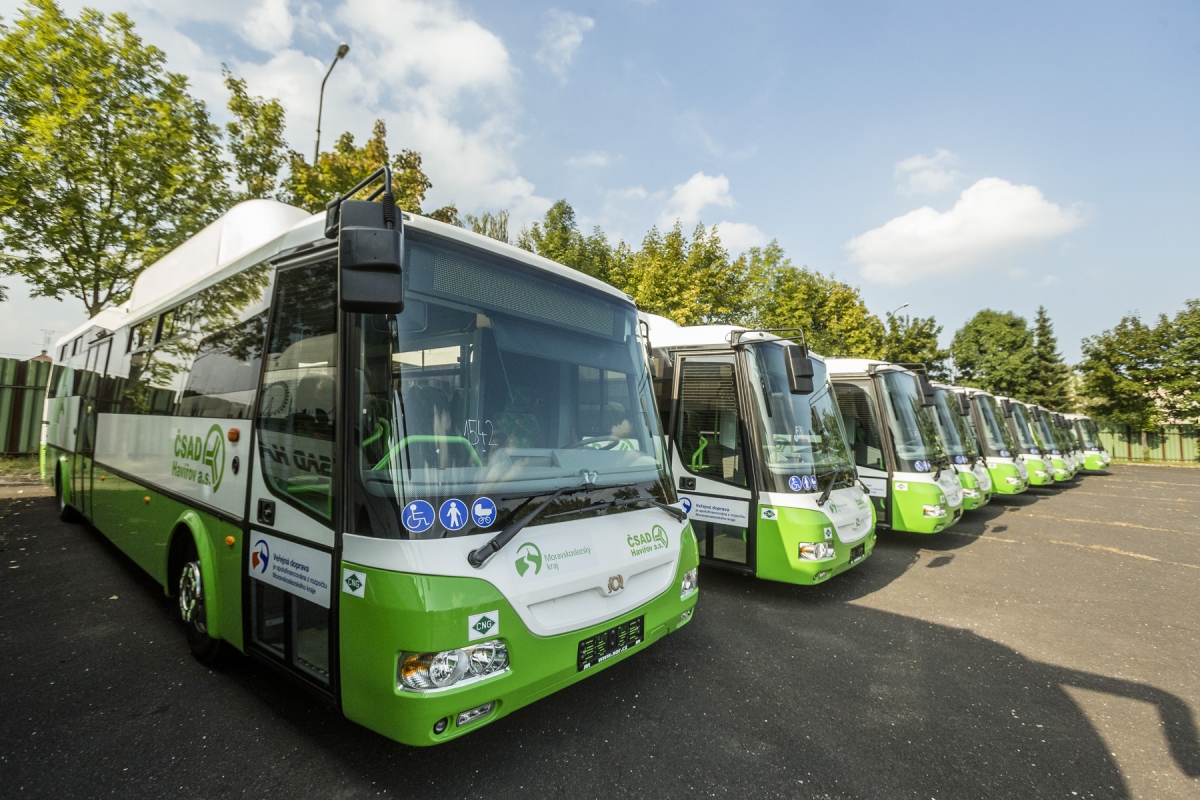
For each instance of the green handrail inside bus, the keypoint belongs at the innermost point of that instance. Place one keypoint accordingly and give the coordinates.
(420, 438)
(382, 430)
(698, 455)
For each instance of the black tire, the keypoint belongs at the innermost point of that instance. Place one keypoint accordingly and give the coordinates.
(65, 512)
(192, 608)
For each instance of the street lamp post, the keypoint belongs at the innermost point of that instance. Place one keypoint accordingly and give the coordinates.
(343, 48)
(901, 308)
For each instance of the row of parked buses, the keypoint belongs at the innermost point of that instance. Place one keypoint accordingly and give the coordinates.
(424, 474)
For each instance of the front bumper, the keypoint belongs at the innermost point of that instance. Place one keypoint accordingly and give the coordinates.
(778, 556)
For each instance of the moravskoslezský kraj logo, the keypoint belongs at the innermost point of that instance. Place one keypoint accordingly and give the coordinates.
(528, 555)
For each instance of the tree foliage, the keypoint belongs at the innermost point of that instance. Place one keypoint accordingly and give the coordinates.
(1050, 374)
(488, 224)
(558, 238)
(255, 140)
(994, 351)
(914, 340)
(106, 161)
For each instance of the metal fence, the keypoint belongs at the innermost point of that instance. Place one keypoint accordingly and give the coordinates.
(22, 390)
(1168, 443)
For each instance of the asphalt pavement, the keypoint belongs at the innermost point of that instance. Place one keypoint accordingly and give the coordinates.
(1044, 647)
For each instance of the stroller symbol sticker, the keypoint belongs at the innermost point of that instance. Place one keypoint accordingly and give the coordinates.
(483, 511)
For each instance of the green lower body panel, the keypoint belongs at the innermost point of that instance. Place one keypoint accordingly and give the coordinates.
(1006, 479)
(973, 496)
(1094, 462)
(1061, 473)
(1039, 473)
(778, 557)
(407, 613)
(910, 507)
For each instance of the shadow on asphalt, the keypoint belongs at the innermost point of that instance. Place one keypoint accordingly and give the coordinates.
(771, 689)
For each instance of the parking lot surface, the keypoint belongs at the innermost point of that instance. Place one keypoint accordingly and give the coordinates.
(1044, 647)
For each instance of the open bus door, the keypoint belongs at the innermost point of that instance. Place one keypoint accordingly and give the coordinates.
(93, 374)
(709, 455)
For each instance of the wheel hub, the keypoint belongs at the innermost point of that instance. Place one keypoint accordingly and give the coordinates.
(191, 596)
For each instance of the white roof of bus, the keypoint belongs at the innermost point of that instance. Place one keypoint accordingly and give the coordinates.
(860, 366)
(669, 334)
(258, 229)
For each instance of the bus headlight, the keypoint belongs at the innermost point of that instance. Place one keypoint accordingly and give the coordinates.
(1012, 481)
(935, 511)
(1041, 473)
(816, 551)
(690, 583)
(971, 493)
(425, 672)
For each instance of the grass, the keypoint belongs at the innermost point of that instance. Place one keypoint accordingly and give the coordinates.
(19, 467)
(1124, 462)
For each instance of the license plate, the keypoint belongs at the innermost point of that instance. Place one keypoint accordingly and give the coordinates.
(858, 553)
(614, 641)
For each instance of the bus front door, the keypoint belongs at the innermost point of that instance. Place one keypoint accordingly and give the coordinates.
(89, 390)
(709, 460)
(857, 404)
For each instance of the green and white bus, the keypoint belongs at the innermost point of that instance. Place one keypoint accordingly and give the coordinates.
(899, 454)
(1005, 464)
(1047, 433)
(431, 495)
(1018, 417)
(759, 453)
(1096, 458)
(951, 411)
(1070, 439)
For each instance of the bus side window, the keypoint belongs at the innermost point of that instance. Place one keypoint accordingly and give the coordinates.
(709, 437)
(862, 429)
(296, 412)
(224, 374)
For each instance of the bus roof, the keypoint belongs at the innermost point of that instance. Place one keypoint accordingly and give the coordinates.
(259, 229)
(668, 334)
(861, 366)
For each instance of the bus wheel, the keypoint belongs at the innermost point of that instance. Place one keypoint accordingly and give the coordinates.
(192, 610)
(65, 512)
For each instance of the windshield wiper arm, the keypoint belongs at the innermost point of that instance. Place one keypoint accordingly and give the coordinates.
(493, 545)
(678, 513)
(833, 476)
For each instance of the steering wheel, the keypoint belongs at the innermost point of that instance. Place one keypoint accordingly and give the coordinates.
(613, 441)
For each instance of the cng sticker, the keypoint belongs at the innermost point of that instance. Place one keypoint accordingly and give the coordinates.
(770, 513)
(480, 626)
(354, 583)
(528, 555)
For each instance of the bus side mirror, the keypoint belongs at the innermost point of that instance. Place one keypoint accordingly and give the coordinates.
(964, 404)
(925, 389)
(370, 276)
(799, 370)
(1006, 407)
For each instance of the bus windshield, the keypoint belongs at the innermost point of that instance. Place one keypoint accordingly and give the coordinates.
(997, 437)
(952, 428)
(494, 386)
(918, 447)
(800, 434)
(1025, 438)
(1087, 435)
(1045, 433)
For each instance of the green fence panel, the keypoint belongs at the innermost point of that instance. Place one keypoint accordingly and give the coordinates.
(22, 393)
(1167, 443)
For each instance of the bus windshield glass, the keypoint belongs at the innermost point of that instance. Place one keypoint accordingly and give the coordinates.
(800, 434)
(918, 447)
(499, 384)
(952, 428)
(1086, 434)
(1045, 432)
(996, 436)
(1026, 442)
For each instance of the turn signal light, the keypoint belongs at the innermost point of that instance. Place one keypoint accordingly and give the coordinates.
(234, 434)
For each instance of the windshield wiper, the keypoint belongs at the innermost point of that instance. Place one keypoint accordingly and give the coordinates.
(678, 513)
(493, 545)
(833, 476)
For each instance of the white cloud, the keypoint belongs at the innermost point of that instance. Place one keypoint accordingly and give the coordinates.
(269, 25)
(594, 158)
(991, 219)
(928, 174)
(740, 236)
(561, 37)
(692, 197)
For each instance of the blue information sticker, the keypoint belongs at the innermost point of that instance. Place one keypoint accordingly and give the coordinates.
(417, 516)
(483, 511)
(453, 514)
(686, 502)
(796, 484)
(921, 466)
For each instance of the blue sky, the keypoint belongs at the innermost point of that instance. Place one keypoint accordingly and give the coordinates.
(947, 155)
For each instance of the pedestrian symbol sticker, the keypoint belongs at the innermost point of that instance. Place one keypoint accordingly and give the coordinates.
(417, 516)
(453, 514)
(483, 511)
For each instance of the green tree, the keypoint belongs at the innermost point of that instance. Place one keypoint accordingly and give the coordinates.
(558, 238)
(489, 224)
(994, 351)
(914, 340)
(336, 172)
(832, 314)
(1177, 395)
(1048, 381)
(1121, 368)
(255, 139)
(106, 161)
